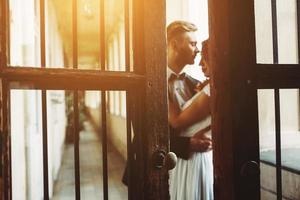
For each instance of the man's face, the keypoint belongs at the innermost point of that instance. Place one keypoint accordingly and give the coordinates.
(187, 48)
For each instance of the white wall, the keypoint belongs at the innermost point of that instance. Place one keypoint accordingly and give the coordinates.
(26, 116)
(18, 145)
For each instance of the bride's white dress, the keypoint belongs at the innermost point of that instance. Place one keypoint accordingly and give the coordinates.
(193, 179)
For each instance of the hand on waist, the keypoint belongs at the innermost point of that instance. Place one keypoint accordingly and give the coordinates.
(200, 144)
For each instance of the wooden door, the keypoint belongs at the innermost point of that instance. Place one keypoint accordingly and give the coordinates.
(235, 126)
(145, 86)
(236, 80)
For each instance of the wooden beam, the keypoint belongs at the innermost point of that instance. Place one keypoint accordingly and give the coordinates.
(67, 79)
(270, 76)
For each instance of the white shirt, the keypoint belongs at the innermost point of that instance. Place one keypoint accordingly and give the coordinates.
(178, 89)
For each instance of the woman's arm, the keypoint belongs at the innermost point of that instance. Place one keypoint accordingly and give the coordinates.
(197, 111)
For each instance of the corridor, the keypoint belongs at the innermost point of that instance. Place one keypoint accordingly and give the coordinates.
(90, 170)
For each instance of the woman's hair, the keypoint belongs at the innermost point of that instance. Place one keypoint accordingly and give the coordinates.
(178, 27)
(204, 50)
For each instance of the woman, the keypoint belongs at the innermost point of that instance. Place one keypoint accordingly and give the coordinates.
(192, 179)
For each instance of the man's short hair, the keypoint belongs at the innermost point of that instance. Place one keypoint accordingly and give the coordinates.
(178, 27)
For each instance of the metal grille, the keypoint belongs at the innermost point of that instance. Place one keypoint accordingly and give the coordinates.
(67, 79)
(276, 76)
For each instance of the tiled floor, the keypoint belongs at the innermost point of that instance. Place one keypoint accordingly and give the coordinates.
(91, 183)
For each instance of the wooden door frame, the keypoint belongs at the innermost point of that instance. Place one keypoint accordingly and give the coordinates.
(235, 80)
(154, 59)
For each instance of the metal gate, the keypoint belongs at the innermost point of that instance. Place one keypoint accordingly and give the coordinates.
(144, 83)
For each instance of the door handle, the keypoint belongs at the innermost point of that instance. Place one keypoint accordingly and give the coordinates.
(170, 160)
(250, 168)
(161, 159)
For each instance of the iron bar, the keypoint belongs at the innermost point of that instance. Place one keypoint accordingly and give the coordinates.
(129, 145)
(7, 34)
(4, 33)
(75, 101)
(102, 35)
(298, 28)
(6, 142)
(76, 144)
(278, 144)
(44, 101)
(42, 33)
(138, 43)
(45, 145)
(104, 145)
(9, 137)
(274, 31)
(103, 99)
(127, 35)
(298, 42)
(277, 102)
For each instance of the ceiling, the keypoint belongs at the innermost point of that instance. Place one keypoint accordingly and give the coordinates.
(88, 17)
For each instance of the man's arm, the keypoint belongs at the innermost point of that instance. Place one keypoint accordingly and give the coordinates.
(183, 147)
(201, 142)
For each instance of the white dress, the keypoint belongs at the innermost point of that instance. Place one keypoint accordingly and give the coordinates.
(192, 179)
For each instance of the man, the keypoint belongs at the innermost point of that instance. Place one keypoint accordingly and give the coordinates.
(182, 50)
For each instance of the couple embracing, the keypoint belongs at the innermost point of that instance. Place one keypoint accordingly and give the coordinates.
(189, 116)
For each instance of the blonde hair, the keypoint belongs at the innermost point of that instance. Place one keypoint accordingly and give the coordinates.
(178, 27)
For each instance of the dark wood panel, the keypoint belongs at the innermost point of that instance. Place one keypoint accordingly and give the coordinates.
(155, 136)
(234, 100)
(2, 136)
(2, 31)
(67, 79)
(5, 157)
